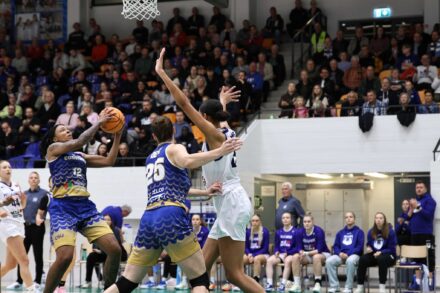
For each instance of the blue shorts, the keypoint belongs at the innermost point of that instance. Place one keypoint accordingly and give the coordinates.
(163, 228)
(70, 215)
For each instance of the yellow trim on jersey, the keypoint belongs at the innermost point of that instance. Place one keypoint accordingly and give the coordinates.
(62, 191)
(178, 252)
(166, 204)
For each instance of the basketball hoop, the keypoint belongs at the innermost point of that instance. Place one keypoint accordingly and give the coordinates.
(140, 9)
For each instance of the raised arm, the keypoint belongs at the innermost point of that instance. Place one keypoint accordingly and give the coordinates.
(227, 96)
(101, 161)
(180, 157)
(58, 148)
(182, 101)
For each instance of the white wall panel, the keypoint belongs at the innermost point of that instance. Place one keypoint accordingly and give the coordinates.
(337, 145)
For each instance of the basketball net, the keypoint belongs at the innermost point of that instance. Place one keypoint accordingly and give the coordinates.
(140, 9)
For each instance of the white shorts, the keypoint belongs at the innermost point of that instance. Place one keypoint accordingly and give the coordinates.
(10, 229)
(234, 211)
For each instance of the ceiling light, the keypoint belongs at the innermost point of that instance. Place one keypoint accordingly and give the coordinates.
(376, 175)
(319, 176)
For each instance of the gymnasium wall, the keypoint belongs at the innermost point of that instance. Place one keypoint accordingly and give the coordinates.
(257, 11)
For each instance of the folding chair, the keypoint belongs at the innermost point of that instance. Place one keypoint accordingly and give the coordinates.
(409, 251)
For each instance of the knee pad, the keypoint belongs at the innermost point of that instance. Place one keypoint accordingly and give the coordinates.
(125, 285)
(202, 280)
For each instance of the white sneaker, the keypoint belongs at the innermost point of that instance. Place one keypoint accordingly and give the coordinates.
(382, 288)
(14, 286)
(359, 290)
(333, 290)
(316, 288)
(346, 290)
(33, 289)
(182, 286)
(86, 285)
(295, 288)
(236, 289)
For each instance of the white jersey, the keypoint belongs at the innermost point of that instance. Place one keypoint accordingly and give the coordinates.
(14, 210)
(224, 169)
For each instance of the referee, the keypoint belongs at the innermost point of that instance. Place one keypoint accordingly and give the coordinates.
(34, 234)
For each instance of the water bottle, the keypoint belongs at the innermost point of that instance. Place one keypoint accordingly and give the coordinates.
(83, 254)
(178, 276)
(156, 273)
(127, 231)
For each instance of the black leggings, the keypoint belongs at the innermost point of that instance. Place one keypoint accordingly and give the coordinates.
(383, 261)
(95, 258)
(169, 268)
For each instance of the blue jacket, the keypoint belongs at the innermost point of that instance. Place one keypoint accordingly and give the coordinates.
(115, 214)
(349, 241)
(385, 246)
(256, 81)
(403, 229)
(422, 220)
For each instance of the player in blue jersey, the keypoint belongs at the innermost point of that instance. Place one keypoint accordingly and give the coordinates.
(70, 210)
(234, 209)
(282, 253)
(165, 224)
(310, 248)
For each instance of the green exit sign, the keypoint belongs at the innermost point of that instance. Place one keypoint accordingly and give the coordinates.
(382, 12)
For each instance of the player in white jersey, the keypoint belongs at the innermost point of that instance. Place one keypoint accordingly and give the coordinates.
(12, 203)
(233, 206)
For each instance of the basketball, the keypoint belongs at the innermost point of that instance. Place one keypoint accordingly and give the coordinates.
(116, 123)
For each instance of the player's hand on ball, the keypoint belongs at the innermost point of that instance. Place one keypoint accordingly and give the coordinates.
(159, 61)
(231, 145)
(105, 116)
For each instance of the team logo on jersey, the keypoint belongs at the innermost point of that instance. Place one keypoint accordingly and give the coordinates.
(378, 243)
(348, 239)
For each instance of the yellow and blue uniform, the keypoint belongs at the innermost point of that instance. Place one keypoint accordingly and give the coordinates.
(70, 209)
(164, 224)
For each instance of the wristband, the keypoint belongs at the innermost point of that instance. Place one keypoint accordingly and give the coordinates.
(306, 253)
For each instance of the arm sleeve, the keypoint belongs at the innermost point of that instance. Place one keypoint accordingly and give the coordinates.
(359, 248)
(321, 245)
(428, 210)
(299, 209)
(391, 243)
(247, 243)
(205, 236)
(336, 245)
(299, 244)
(277, 243)
(265, 242)
(44, 203)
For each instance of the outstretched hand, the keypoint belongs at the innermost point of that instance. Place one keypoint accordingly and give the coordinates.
(159, 61)
(229, 95)
(231, 145)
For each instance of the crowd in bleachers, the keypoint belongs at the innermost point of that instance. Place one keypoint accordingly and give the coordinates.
(43, 83)
(384, 74)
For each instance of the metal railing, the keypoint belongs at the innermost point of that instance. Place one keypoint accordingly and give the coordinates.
(303, 33)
